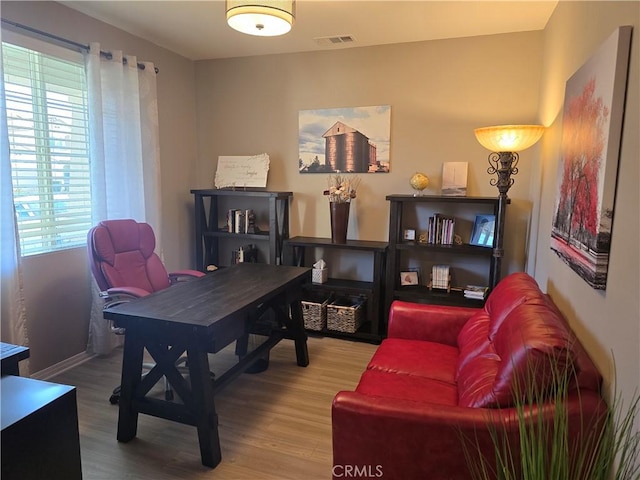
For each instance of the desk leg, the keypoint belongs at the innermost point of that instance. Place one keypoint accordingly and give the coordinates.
(131, 377)
(205, 412)
(299, 335)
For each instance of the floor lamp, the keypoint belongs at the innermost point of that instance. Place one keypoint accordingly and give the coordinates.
(504, 142)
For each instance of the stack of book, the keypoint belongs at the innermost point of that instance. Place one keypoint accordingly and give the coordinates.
(440, 277)
(240, 221)
(440, 230)
(476, 292)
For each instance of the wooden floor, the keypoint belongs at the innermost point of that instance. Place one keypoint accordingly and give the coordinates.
(273, 425)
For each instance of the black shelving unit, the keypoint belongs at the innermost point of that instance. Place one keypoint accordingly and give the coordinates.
(210, 223)
(373, 328)
(405, 212)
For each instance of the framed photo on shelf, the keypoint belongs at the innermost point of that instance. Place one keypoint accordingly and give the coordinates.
(410, 277)
(409, 234)
(483, 231)
(454, 179)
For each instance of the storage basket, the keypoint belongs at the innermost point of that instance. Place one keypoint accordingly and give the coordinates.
(345, 314)
(314, 312)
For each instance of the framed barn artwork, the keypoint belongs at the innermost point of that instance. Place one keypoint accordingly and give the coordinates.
(344, 140)
(587, 173)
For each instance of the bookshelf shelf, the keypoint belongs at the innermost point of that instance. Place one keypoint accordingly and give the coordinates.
(469, 264)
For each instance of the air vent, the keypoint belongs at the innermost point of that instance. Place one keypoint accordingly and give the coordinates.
(335, 40)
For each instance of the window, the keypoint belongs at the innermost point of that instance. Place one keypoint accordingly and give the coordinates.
(47, 119)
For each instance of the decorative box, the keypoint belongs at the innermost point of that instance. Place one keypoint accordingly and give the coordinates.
(319, 275)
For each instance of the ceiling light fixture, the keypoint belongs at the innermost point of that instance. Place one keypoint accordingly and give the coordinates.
(266, 18)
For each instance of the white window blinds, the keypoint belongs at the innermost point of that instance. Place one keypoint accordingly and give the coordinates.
(46, 103)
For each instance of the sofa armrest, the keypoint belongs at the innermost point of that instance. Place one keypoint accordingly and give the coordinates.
(406, 439)
(402, 438)
(433, 323)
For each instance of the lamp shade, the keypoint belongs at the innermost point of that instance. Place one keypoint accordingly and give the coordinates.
(267, 18)
(509, 138)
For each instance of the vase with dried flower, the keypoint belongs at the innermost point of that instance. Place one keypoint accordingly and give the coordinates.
(340, 192)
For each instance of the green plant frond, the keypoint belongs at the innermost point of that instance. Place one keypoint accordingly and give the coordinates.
(608, 446)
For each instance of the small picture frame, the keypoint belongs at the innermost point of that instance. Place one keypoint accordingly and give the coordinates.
(454, 179)
(409, 277)
(409, 234)
(483, 232)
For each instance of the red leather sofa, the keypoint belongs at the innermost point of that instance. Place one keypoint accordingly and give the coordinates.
(446, 372)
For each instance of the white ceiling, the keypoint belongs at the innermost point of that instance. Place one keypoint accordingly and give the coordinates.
(198, 29)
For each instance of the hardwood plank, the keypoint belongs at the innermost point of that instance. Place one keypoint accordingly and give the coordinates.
(273, 425)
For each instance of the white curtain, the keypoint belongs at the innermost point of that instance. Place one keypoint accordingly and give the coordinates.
(13, 327)
(125, 159)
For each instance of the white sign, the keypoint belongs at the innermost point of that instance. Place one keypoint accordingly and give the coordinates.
(242, 171)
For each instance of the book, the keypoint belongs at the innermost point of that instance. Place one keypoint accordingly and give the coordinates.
(239, 221)
(440, 229)
(477, 292)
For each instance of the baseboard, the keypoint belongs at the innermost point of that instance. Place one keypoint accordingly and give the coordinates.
(62, 366)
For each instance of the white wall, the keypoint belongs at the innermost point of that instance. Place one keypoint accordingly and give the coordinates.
(606, 321)
(439, 91)
(57, 284)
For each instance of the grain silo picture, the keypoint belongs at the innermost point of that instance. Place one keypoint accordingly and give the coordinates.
(347, 140)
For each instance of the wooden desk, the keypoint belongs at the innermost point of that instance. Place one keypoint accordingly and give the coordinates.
(10, 356)
(203, 315)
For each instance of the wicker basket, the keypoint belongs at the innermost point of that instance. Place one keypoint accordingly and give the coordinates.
(314, 312)
(345, 314)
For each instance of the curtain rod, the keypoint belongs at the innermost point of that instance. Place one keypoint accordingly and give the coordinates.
(65, 42)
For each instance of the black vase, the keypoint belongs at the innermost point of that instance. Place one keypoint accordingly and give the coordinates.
(339, 221)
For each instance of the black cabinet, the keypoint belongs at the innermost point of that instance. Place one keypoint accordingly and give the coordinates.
(468, 264)
(40, 436)
(373, 328)
(211, 209)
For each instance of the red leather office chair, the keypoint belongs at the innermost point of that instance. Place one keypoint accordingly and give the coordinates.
(125, 266)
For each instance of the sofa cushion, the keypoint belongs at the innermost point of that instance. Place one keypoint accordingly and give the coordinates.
(514, 290)
(531, 345)
(516, 340)
(415, 357)
(407, 387)
(473, 338)
(534, 346)
(476, 378)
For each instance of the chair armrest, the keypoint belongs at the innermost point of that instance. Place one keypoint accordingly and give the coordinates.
(117, 295)
(433, 323)
(409, 439)
(123, 293)
(183, 275)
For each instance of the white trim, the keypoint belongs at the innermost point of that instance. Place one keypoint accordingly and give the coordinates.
(42, 46)
(63, 366)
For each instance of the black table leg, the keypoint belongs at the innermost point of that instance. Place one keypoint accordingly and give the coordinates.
(131, 377)
(299, 335)
(204, 409)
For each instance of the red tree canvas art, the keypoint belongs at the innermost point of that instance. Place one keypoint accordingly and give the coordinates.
(591, 129)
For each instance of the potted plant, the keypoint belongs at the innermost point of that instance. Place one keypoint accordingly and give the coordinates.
(609, 447)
